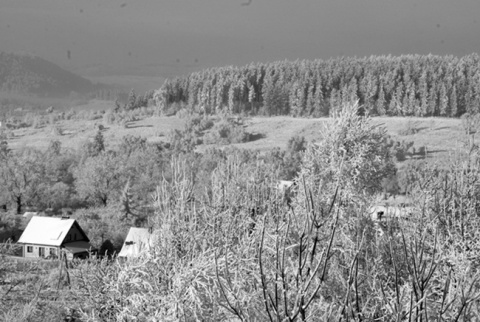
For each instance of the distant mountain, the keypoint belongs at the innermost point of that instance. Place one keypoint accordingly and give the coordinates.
(31, 75)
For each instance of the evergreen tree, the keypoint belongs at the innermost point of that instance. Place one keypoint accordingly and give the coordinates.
(412, 101)
(443, 101)
(4, 150)
(433, 107)
(392, 105)
(381, 102)
(423, 91)
(352, 91)
(320, 107)
(127, 202)
(453, 102)
(251, 96)
(399, 94)
(98, 143)
(310, 101)
(132, 100)
(107, 249)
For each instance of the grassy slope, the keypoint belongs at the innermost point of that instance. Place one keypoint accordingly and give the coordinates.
(439, 135)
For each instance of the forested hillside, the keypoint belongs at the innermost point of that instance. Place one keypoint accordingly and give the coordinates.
(27, 74)
(384, 85)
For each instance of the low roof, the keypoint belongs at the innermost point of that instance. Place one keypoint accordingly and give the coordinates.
(285, 184)
(78, 247)
(50, 231)
(389, 212)
(137, 241)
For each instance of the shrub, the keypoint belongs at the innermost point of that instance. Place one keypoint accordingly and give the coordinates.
(57, 130)
(52, 119)
(401, 150)
(197, 124)
(176, 108)
(70, 114)
(37, 122)
(28, 119)
(412, 127)
(470, 123)
(227, 131)
(297, 144)
(94, 115)
(109, 117)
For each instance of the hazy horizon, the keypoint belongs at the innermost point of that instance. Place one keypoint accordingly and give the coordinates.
(158, 38)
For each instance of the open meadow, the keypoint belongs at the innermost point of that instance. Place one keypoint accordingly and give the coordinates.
(440, 136)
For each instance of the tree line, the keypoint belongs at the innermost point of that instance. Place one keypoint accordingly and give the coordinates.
(407, 85)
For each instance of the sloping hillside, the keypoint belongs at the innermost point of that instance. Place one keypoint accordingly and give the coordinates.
(28, 74)
(440, 136)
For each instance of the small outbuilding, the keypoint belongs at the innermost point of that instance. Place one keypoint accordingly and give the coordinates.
(49, 237)
(384, 213)
(139, 240)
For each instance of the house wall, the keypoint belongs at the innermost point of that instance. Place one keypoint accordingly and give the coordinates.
(73, 235)
(35, 253)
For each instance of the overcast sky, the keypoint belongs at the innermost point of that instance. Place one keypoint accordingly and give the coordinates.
(149, 37)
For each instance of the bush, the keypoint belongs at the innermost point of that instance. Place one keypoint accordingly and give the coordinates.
(28, 119)
(197, 123)
(70, 114)
(176, 108)
(227, 131)
(109, 117)
(52, 119)
(411, 128)
(37, 122)
(57, 130)
(400, 150)
(107, 249)
(94, 115)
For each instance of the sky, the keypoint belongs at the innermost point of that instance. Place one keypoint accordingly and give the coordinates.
(169, 37)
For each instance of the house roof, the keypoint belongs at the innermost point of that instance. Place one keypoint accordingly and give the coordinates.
(50, 231)
(379, 213)
(137, 241)
(78, 247)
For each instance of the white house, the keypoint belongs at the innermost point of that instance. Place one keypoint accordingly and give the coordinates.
(139, 240)
(51, 236)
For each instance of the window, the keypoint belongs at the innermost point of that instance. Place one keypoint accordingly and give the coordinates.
(53, 251)
(41, 251)
(29, 249)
